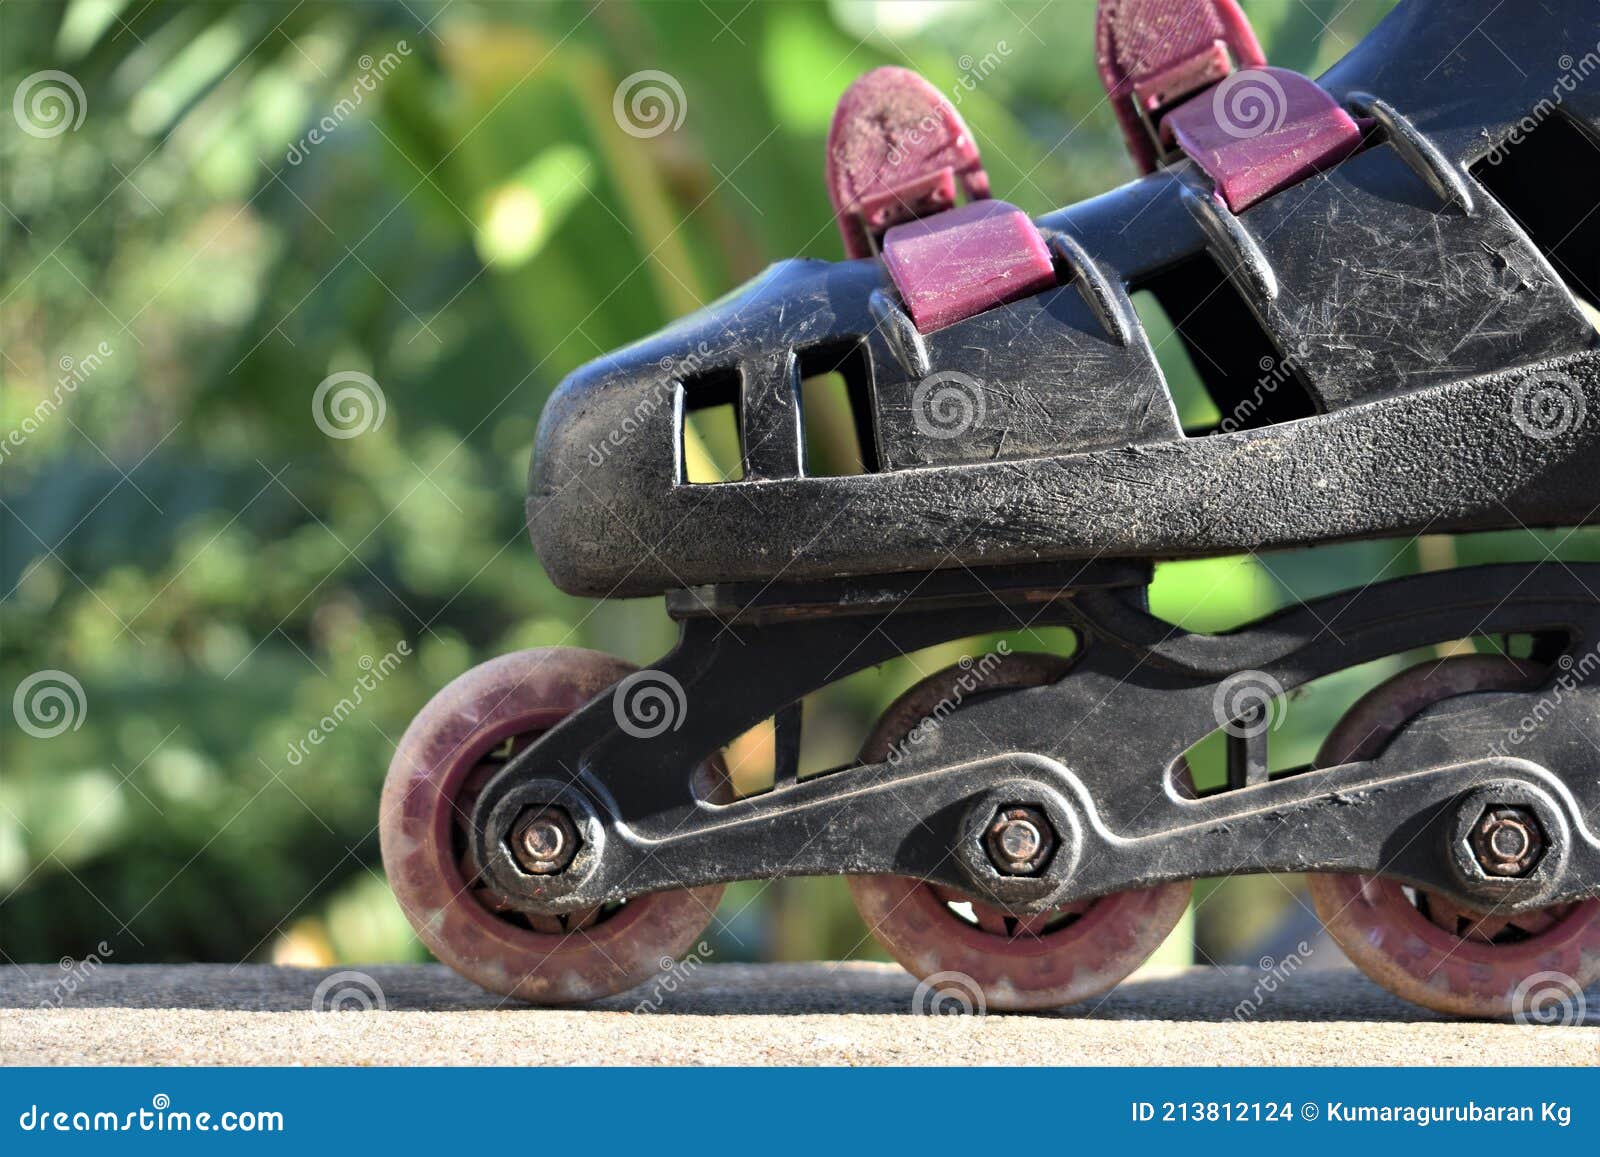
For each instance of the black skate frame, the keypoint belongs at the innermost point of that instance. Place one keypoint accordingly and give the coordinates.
(1097, 751)
(1408, 316)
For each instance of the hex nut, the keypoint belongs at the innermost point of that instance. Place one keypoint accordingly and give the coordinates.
(1507, 841)
(1016, 783)
(1019, 840)
(544, 840)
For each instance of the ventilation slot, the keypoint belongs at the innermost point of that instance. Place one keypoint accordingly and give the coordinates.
(1222, 369)
(710, 450)
(836, 409)
(1548, 179)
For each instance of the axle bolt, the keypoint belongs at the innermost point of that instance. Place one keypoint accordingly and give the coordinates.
(543, 840)
(1019, 841)
(1507, 841)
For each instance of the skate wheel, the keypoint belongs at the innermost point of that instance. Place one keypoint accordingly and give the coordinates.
(1417, 944)
(452, 747)
(1043, 961)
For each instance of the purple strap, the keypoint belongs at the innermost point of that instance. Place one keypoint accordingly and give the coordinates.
(954, 264)
(1262, 130)
(897, 150)
(1155, 54)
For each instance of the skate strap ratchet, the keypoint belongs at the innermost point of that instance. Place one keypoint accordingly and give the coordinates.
(963, 261)
(1260, 131)
(1155, 54)
(897, 152)
(1188, 78)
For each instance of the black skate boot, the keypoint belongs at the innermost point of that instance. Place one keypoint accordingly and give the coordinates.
(1386, 276)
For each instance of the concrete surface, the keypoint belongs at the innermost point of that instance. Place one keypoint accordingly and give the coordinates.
(808, 1014)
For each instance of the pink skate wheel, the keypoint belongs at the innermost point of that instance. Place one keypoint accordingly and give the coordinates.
(1417, 944)
(897, 151)
(1047, 960)
(442, 761)
(1155, 54)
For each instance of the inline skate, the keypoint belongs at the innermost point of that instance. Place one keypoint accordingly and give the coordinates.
(1410, 241)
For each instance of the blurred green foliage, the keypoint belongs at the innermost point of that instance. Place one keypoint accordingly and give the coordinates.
(179, 536)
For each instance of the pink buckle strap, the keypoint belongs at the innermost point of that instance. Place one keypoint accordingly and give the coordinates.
(897, 151)
(1155, 54)
(958, 263)
(1260, 131)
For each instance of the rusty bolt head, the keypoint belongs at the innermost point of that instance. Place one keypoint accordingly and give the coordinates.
(1019, 840)
(544, 840)
(1507, 841)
